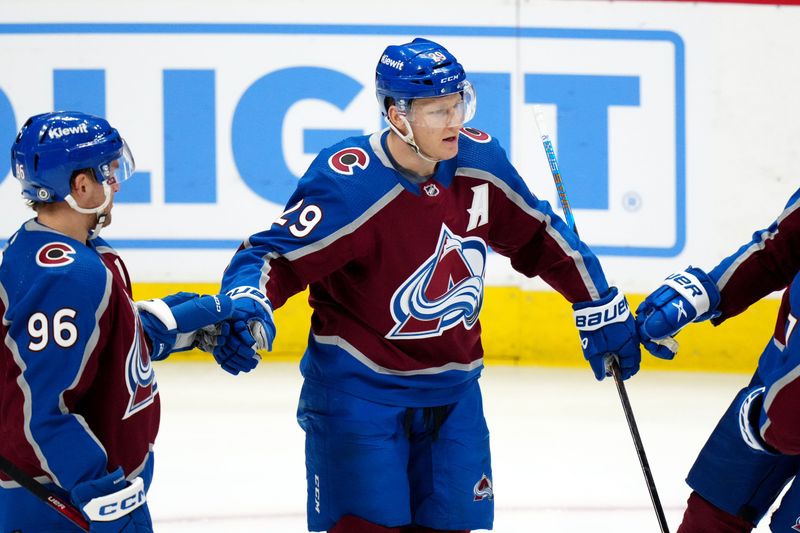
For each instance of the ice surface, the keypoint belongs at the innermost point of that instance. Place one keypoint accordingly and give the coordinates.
(229, 456)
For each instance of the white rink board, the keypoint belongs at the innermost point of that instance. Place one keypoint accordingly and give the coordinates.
(690, 132)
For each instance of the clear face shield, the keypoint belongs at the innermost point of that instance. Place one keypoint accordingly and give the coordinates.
(452, 110)
(120, 169)
(111, 175)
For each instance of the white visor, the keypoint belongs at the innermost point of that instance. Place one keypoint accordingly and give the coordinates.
(444, 111)
(120, 169)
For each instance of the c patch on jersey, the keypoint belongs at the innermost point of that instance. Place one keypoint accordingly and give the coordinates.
(139, 375)
(447, 290)
(55, 254)
(343, 161)
(476, 135)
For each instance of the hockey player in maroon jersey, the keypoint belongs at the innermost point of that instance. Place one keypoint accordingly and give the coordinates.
(755, 449)
(391, 232)
(79, 404)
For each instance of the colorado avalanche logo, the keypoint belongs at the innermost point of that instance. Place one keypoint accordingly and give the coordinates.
(483, 489)
(343, 161)
(796, 525)
(55, 254)
(476, 135)
(445, 291)
(139, 375)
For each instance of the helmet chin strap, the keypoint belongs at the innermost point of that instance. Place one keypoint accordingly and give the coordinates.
(409, 139)
(99, 210)
(101, 221)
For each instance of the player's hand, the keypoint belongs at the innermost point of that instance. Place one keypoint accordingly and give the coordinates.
(684, 297)
(113, 505)
(229, 351)
(172, 322)
(606, 329)
(250, 328)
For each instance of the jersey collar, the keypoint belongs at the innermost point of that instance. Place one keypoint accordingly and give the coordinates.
(443, 174)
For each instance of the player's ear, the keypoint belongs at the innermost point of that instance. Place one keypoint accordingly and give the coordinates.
(394, 117)
(80, 183)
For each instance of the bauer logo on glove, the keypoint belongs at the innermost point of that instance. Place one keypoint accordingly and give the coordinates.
(690, 288)
(607, 330)
(592, 318)
(683, 298)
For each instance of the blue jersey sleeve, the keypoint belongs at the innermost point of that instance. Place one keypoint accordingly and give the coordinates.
(53, 331)
(306, 242)
(767, 263)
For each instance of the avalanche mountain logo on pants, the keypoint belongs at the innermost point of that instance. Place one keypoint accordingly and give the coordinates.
(483, 489)
(445, 291)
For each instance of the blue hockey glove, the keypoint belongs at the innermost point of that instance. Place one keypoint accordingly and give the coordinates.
(231, 353)
(172, 322)
(112, 505)
(251, 328)
(684, 297)
(606, 329)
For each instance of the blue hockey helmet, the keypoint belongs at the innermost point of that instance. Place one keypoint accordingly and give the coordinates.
(50, 147)
(420, 69)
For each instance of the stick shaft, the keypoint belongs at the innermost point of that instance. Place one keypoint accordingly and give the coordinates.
(37, 489)
(611, 362)
(560, 187)
(637, 442)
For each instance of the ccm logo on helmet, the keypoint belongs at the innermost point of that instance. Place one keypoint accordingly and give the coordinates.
(343, 161)
(55, 254)
(57, 133)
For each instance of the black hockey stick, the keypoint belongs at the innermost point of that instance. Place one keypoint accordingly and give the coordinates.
(37, 489)
(612, 363)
